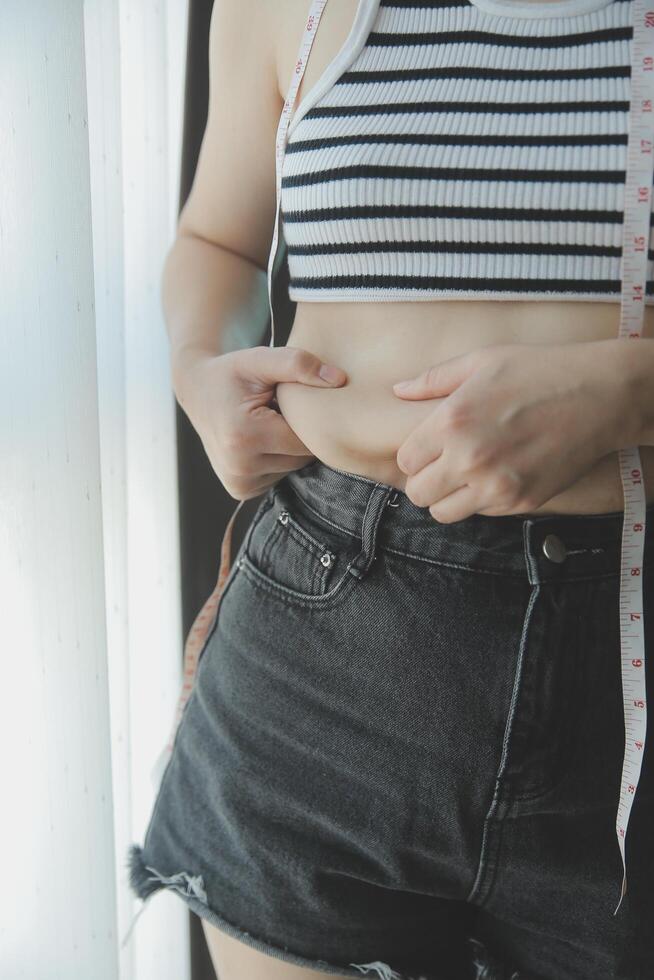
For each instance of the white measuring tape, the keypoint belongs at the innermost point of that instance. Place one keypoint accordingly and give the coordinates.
(635, 247)
(315, 13)
(636, 237)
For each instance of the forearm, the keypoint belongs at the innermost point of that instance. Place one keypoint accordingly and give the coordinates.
(633, 361)
(213, 301)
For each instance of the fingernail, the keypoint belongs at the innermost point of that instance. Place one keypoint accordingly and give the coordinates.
(329, 373)
(402, 384)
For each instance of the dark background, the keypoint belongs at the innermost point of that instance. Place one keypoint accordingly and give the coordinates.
(204, 505)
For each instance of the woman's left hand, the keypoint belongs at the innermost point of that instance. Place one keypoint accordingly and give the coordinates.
(520, 423)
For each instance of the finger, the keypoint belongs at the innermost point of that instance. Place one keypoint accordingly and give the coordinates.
(263, 484)
(271, 365)
(283, 462)
(435, 481)
(235, 487)
(276, 436)
(456, 506)
(439, 379)
(422, 446)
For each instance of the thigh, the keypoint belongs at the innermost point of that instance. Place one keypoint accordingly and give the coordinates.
(235, 960)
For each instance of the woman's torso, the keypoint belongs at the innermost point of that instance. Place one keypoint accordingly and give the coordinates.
(360, 426)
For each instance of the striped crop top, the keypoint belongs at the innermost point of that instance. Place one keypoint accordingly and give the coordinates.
(464, 149)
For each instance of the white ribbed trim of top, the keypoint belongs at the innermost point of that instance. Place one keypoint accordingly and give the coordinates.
(409, 295)
(353, 43)
(540, 8)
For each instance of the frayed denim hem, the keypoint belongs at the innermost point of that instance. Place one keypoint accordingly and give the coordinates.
(145, 880)
(487, 966)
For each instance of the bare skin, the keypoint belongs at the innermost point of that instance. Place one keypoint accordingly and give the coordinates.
(233, 960)
(359, 426)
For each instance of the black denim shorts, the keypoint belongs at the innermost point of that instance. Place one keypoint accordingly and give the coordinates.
(402, 753)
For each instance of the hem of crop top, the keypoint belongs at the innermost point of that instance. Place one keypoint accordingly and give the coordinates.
(363, 20)
(540, 9)
(404, 295)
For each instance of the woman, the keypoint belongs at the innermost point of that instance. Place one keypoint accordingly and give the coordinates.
(403, 749)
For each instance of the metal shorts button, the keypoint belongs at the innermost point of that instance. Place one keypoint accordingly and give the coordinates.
(554, 549)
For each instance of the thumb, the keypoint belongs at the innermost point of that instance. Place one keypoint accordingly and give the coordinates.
(275, 364)
(439, 379)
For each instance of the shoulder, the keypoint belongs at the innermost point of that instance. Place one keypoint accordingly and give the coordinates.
(290, 18)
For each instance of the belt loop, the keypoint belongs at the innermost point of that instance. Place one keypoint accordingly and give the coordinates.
(530, 561)
(374, 509)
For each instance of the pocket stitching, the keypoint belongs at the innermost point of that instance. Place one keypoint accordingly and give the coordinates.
(294, 527)
(310, 546)
(313, 548)
(272, 538)
(318, 576)
(292, 596)
(326, 520)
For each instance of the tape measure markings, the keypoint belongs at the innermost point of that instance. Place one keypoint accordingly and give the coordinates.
(635, 246)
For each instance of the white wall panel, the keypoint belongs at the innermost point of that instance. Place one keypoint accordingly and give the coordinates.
(91, 98)
(57, 909)
(152, 102)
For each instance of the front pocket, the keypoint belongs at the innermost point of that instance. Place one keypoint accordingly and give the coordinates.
(292, 549)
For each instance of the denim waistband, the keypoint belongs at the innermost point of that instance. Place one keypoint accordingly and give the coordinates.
(543, 548)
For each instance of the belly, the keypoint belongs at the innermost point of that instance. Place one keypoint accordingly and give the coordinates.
(361, 426)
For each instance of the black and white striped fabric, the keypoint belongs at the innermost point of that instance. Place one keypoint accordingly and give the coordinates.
(463, 149)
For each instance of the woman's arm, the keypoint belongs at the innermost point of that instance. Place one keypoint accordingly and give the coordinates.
(634, 365)
(214, 278)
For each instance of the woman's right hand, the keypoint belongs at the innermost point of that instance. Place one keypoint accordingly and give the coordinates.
(230, 401)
